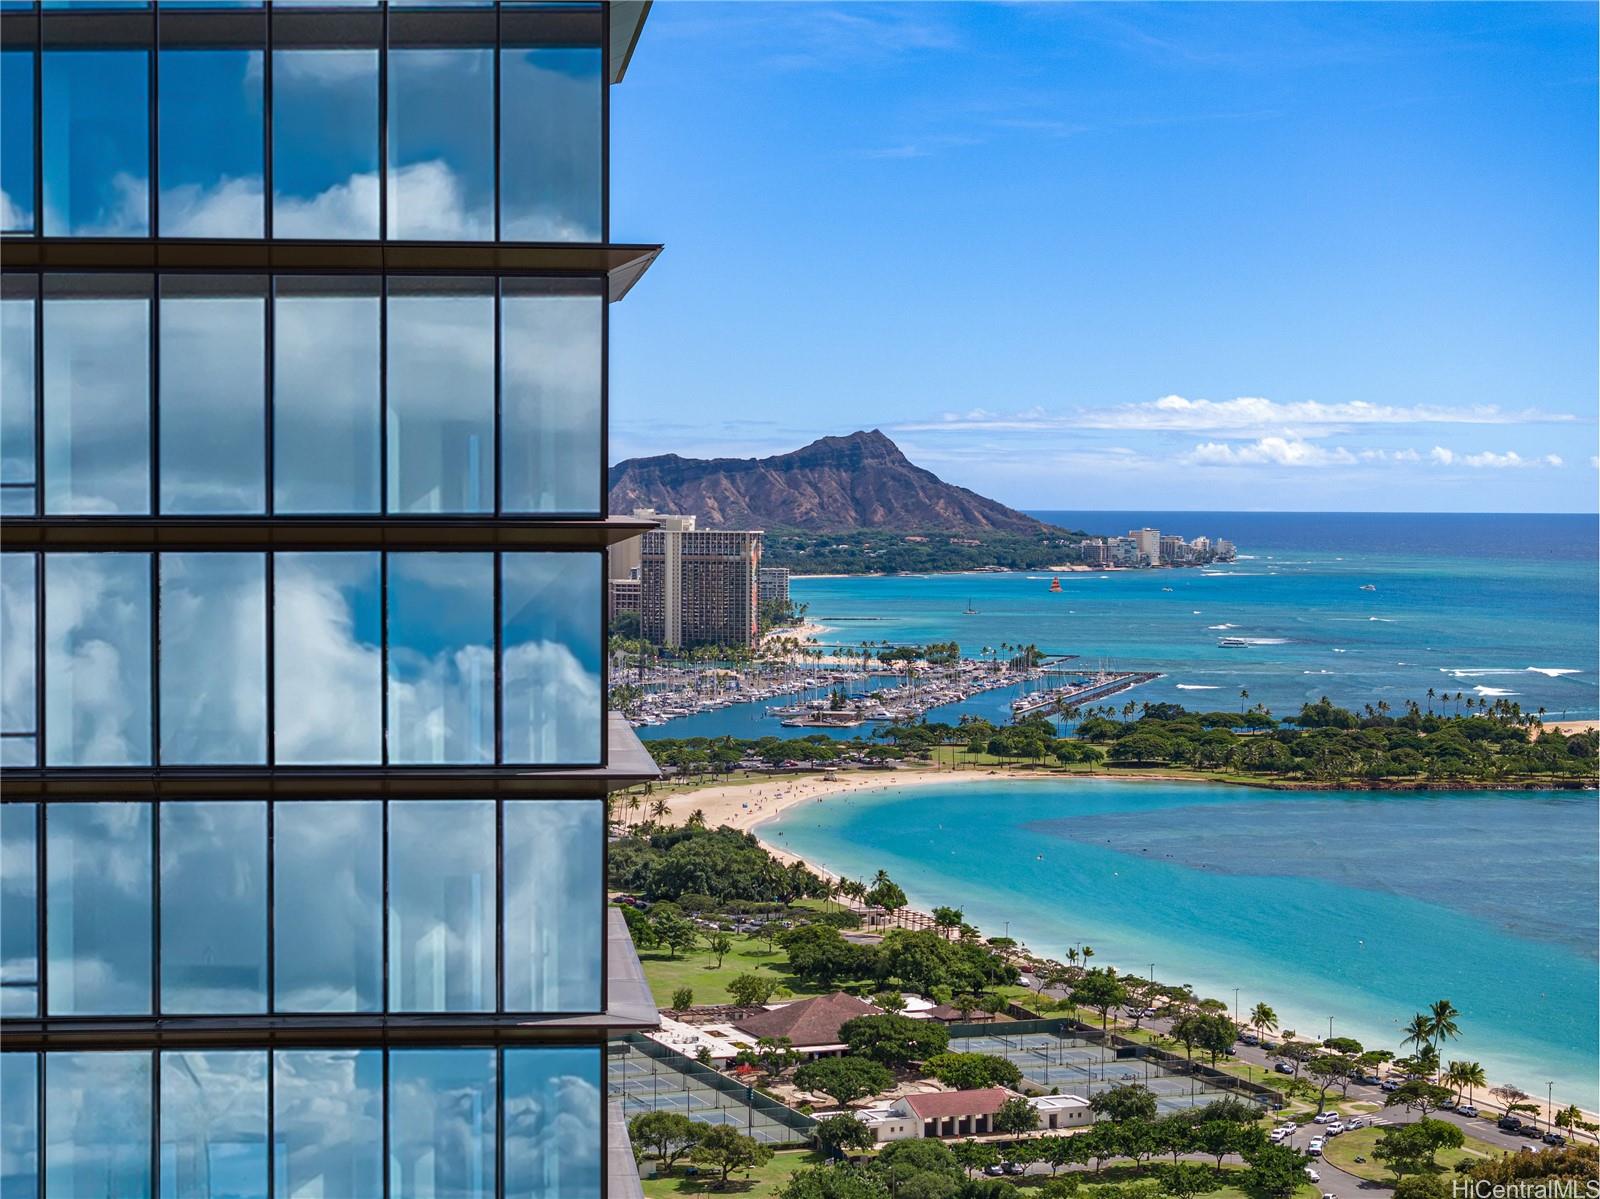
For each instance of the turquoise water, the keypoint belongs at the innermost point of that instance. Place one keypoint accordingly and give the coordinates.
(1359, 906)
(1490, 606)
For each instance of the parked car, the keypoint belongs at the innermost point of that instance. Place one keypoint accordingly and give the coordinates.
(1283, 1067)
(1389, 1084)
(995, 1170)
(1554, 1138)
(1466, 1109)
(1249, 1038)
(1313, 1175)
(1012, 1167)
(1324, 1117)
(1529, 1130)
(1315, 1148)
(1509, 1124)
(1353, 1123)
(1335, 1128)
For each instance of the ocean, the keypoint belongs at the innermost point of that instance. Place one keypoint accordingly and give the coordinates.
(1355, 907)
(1487, 606)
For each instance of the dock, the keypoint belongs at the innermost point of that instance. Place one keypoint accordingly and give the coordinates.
(1099, 686)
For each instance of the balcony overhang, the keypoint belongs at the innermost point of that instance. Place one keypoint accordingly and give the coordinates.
(442, 533)
(627, 22)
(628, 764)
(621, 265)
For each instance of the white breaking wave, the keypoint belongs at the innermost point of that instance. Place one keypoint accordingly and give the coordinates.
(1197, 687)
(1554, 672)
(1316, 672)
(1482, 690)
(1222, 626)
(1476, 672)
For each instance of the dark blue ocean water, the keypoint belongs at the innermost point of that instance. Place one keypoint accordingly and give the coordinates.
(1487, 606)
(1360, 906)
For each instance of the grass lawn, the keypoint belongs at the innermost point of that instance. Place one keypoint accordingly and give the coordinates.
(1128, 1173)
(1342, 1151)
(758, 1183)
(698, 970)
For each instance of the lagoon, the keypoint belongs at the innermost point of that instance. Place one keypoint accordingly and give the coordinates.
(1359, 907)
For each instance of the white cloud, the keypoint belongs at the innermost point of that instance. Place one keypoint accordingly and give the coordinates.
(1244, 416)
(1489, 460)
(1269, 451)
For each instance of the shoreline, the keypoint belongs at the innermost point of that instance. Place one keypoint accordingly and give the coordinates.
(749, 805)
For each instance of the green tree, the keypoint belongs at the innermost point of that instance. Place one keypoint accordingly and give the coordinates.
(1423, 1096)
(771, 1055)
(1442, 1025)
(682, 997)
(1016, 1115)
(1099, 990)
(834, 1182)
(1273, 1172)
(1421, 1186)
(895, 1040)
(971, 1071)
(721, 944)
(751, 990)
(725, 1149)
(975, 1155)
(666, 1136)
(1183, 1180)
(1465, 1076)
(676, 933)
(836, 1134)
(845, 1079)
(1410, 1148)
(887, 895)
(1124, 1102)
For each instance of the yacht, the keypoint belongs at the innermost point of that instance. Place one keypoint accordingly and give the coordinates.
(1368, 587)
(1233, 642)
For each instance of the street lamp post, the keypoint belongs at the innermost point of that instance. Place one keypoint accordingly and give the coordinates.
(1330, 1028)
(1236, 1005)
(1550, 1103)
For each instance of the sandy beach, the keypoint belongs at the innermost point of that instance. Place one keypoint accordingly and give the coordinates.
(743, 806)
(1572, 726)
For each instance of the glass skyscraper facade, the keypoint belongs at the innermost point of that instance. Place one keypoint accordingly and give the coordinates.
(303, 338)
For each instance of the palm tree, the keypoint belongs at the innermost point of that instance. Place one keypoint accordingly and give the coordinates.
(1263, 1019)
(1442, 1024)
(1244, 694)
(1419, 1032)
(1465, 1076)
(658, 808)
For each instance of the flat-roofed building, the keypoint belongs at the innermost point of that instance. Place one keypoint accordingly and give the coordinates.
(772, 585)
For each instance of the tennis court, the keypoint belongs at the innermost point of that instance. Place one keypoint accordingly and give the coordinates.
(1079, 1067)
(646, 1083)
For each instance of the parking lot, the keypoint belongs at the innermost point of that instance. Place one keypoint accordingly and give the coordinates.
(1080, 1068)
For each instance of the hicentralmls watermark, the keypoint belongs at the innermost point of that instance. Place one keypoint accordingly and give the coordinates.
(1550, 1188)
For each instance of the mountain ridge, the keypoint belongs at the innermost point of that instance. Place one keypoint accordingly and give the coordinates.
(859, 481)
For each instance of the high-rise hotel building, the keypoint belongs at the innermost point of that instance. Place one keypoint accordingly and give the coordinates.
(302, 708)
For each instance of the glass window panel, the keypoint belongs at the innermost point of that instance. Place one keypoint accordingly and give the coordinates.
(97, 659)
(19, 910)
(550, 451)
(98, 1125)
(554, 893)
(96, 398)
(441, 144)
(442, 1123)
(325, 395)
(552, 1118)
(328, 894)
(327, 665)
(214, 1125)
(214, 907)
(19, 1125)
(16, 141)
(213, 659)
(96, 143)
(211, 143)
(441, 397)
(97, 908)
(441, 906)
(19, 633)
(213, 396)
(550, 143)
(325, 143)
(18, 391)
(327, 1123)
(551, 646)
(441, 658)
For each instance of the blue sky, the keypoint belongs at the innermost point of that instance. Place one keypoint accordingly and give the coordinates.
(1262, 256)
